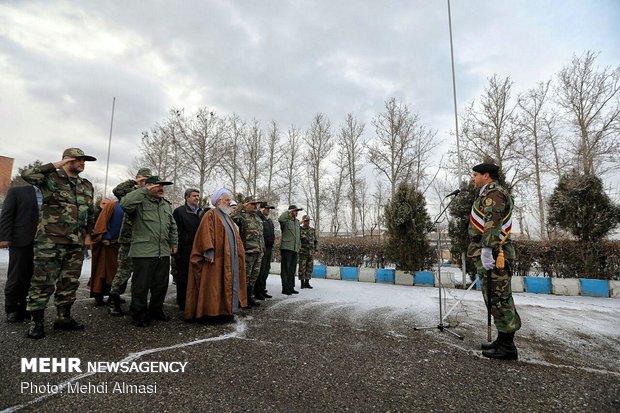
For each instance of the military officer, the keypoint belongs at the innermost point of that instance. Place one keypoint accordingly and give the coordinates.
(123, 273)
(66, 219)
(306, 252)
(490, 225)
(251, 232)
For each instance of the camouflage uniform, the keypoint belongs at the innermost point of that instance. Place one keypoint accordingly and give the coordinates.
(306, 253)
(66, 217)
(251, 233)
(490, 224)
(123, 273)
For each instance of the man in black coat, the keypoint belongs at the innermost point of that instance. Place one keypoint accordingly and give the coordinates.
(187, 217)
(260, 287)
(18, 225)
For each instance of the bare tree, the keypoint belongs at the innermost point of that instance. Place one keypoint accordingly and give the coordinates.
(363, 205)
(591, 98)
(274, 155)
(379, 201)
(199, 138)
(351, 143)
(489, 130)
(536, 124)
(401, 142)
(233, 133)
(291, 152)
(336, 191)
(251, 156)
(319, 144)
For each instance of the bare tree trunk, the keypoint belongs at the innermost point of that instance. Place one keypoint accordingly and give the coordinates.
(352, 149)
(320, 144)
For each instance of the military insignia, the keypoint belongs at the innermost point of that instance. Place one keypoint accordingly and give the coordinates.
(488, 202)
(64, 194)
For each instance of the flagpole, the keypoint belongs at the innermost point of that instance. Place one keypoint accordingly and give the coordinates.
(107, 166)
(456, 125)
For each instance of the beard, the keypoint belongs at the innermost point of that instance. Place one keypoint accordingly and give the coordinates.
(225, 209)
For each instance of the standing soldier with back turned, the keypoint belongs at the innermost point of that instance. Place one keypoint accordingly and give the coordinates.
(490, 224)
(66, 219)
(306, 252)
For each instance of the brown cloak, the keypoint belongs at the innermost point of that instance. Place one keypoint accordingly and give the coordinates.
(104, 257)
(209, 285)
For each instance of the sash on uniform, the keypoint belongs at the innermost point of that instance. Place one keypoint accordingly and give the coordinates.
(504, 234)
(476, 218)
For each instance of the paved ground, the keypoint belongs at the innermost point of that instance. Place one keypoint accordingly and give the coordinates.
(303, 355)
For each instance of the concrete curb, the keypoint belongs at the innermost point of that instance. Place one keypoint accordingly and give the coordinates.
(557, 286)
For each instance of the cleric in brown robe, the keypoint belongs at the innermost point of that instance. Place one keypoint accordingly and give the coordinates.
(216, 281)
(105, 249)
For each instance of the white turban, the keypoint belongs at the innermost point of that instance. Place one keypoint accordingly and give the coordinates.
(218, 194)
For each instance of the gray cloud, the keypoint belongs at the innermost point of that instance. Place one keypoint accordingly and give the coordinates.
(270, 60)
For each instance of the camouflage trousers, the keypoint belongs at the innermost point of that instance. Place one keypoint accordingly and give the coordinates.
(123, 273)
(503, 309)
(57, 269)
(252, 267)
(306, 263)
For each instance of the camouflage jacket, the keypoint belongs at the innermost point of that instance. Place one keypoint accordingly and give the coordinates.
(120, 191)
(308, 241)
(154, 230)
(67, 213)
(250, 230)
(490, 221)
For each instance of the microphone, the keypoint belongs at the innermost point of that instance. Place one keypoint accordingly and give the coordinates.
(455, 192)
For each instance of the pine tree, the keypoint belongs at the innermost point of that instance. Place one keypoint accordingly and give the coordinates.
(407, 225)
(460, 210)
(580, 206)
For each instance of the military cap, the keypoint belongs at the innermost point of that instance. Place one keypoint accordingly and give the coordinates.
(265, 205)
(251, 200)
(154, 179)
(305, 218)
(77, 153)
(146, 172)
(485, 167)
(294, 208)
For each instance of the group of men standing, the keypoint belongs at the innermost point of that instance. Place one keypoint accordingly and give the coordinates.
(47, 225)
(222, 257)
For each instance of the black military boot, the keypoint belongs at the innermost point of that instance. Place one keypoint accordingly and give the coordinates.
(64, 321)
(251, 300)
(115, 309)
(258, 295)
(37, 328)
(308, 284)
(492, 345)
(303, 284)
(505, 350)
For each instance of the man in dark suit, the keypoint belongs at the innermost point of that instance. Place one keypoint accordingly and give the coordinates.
(187, 217)
(18, 225)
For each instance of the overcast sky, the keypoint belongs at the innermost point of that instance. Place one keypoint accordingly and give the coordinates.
(61, 63)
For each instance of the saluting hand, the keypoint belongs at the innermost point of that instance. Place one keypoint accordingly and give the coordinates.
(63, 162)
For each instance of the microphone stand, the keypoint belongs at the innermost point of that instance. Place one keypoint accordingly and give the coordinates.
(441, 326)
